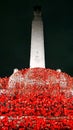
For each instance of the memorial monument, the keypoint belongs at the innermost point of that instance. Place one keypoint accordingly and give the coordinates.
(36, 98)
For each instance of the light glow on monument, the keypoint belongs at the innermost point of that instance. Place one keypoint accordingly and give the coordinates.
(37, 54)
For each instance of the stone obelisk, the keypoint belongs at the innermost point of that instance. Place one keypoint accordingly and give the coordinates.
(37, 54)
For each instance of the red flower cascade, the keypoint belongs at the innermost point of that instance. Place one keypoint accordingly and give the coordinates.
(36, 99)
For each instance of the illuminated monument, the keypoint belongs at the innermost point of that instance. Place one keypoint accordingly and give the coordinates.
(37, 55)
(36, 98)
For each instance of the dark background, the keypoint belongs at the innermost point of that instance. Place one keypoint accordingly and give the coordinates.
(15, 34)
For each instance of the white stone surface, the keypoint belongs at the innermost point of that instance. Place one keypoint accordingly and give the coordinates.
(15, 70)
(37, 54)
(58, 70)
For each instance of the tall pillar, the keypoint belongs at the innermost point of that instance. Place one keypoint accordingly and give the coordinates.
(37, 54)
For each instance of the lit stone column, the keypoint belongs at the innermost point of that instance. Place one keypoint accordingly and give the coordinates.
(37, 55)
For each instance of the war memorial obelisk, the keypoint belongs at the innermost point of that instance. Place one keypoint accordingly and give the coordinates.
(36, 98)
(37, 54)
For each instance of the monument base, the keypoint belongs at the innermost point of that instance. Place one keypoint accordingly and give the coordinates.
(36, 99)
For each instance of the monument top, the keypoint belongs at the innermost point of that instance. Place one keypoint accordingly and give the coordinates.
(37, 11)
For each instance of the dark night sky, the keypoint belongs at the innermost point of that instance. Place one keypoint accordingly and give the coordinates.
(15, 34)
